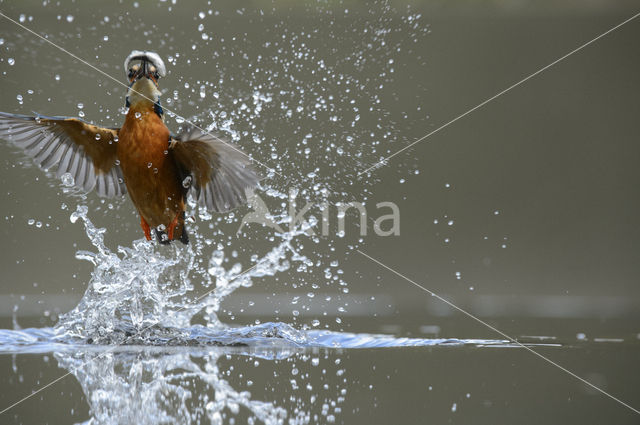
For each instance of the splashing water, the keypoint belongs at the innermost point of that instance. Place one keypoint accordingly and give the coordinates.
(142, 295)
(145, 388)
(131, 344)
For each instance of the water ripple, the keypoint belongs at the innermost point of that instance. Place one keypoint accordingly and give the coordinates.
(279, 336)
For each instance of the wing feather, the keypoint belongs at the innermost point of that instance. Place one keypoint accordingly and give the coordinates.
(85, 151)
(221, 174)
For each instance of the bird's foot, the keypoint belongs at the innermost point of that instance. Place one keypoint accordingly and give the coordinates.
(145, 228)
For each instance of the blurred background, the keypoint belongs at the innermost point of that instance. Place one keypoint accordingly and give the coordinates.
(523, 212)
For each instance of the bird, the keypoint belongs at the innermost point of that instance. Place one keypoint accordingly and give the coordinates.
(142, 158)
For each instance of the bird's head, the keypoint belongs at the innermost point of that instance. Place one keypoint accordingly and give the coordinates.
(143, 69)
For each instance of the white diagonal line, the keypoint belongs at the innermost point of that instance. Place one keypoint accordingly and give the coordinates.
(477, 319)
(480, 105)
(35, 392)
(137, 92)
(102, 354)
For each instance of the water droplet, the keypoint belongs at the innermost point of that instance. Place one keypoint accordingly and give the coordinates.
(138, 115)
(68, 180)
(70, 18)
(98, 136)
(149, 164)
(80, 105)
(19, 97)
(11, 61)
(186, 183)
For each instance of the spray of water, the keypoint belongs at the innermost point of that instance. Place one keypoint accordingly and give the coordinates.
(148, 295)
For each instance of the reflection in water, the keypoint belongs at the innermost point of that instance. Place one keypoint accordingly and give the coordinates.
(144, 387)
(211, 376)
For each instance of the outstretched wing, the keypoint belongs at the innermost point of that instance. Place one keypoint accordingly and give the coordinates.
(85, 151)
(218, 173)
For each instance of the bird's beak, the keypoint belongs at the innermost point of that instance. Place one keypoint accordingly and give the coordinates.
(150, 67)
(144, 69)
(148, 70)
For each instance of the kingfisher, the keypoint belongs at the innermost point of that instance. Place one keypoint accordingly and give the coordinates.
(157, 169)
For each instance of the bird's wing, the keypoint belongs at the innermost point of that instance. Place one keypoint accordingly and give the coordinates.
(218, 174)
(85, 151)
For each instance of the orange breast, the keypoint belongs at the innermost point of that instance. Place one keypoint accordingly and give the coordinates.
(149, 171)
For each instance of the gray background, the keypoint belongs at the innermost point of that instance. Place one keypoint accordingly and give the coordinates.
(557, 156)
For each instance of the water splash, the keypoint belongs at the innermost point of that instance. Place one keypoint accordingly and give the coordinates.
(144, 388)
(145, 295)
